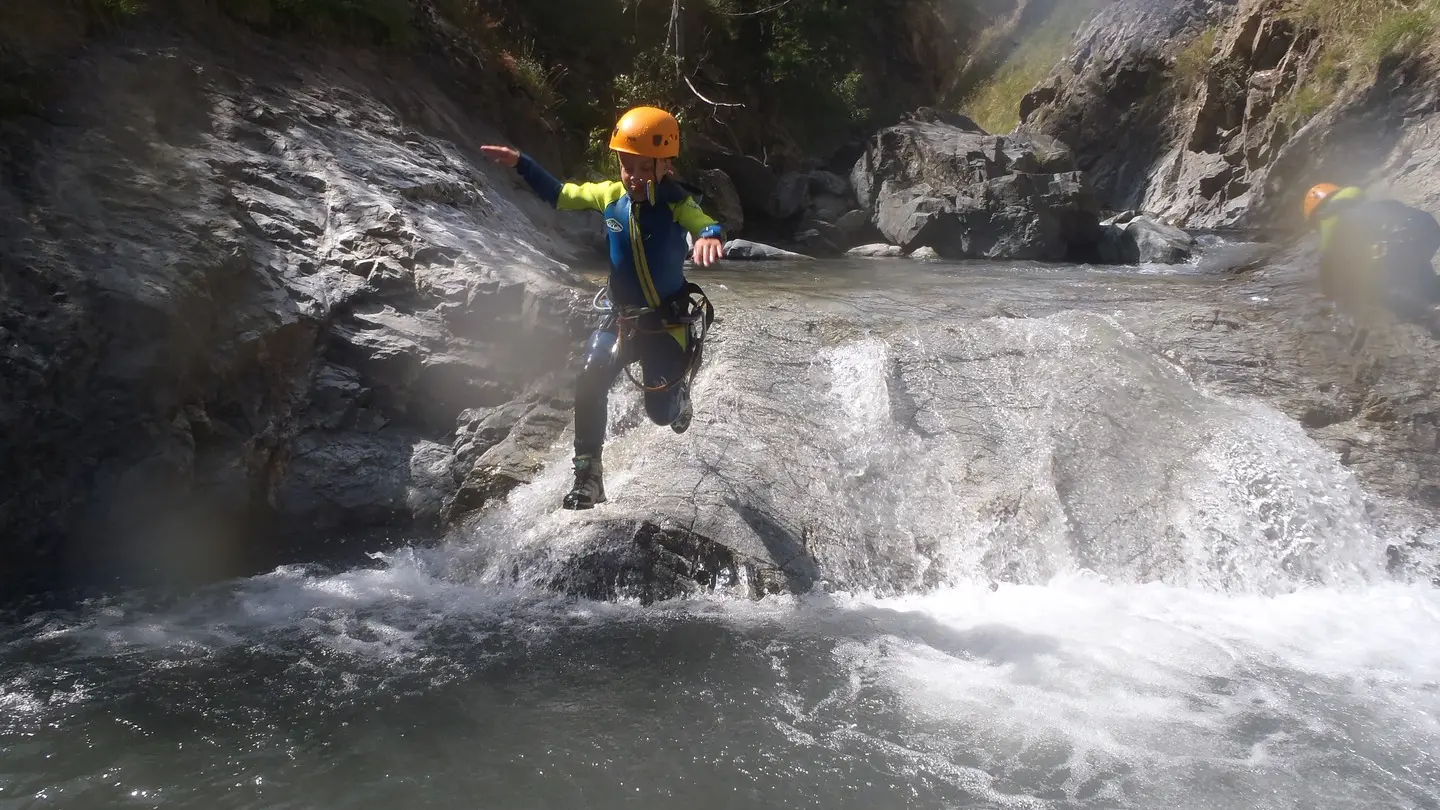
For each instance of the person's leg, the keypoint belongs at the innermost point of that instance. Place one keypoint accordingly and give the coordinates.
(663, 360)
(592, 403)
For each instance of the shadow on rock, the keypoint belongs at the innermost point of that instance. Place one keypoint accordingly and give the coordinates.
(787, 548)
(652, 563)
(652, 560)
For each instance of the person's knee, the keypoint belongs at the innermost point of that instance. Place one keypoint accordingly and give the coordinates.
(591, 381)
(597, 368)
(663, 406)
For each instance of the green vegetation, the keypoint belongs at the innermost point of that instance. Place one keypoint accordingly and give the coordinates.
(995, 105)
(1355, 37)
(778, 79)
(789, 76)
(1306, 103)
(762, 76)
(1192, 64)
(1403, 32)
(994, 101)
(1315, 91)
(1363, 32)
(540, 81)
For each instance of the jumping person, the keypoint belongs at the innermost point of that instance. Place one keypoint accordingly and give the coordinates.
(647, 216)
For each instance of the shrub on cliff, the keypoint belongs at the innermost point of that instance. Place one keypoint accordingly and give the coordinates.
(1034, 47)
(1356, 37)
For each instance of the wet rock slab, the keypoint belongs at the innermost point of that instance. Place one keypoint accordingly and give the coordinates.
(245, 301)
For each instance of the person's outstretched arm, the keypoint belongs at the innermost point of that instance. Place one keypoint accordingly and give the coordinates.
(563, 196)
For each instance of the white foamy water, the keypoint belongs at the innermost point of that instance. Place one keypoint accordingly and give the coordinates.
(1075, 693)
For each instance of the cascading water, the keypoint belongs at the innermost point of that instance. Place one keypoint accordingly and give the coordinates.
(1049, 571)
(903, 450)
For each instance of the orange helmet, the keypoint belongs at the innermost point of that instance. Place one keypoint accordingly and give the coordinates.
(648, 132)
(1317, 195)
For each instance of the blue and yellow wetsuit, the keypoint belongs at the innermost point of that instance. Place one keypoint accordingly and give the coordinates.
(647, 242)
(1376, 255)
(647, 257)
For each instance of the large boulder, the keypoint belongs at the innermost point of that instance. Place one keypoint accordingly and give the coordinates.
(754, 182)
(940, 181)
(722, 199)
(1157, 242)
(745, 250)
(877, 251)
(1136, 239)
(829, 197)
(828, 184)
(856, 227)
(828, 207)
(791, 195)
(1044, 217)
(821, 238)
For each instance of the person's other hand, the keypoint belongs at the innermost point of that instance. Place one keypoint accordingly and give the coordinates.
(503, 155)
(708, 251)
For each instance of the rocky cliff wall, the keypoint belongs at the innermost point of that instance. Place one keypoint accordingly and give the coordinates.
(1217, 113)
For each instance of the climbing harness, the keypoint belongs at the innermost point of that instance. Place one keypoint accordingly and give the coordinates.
(691, 308)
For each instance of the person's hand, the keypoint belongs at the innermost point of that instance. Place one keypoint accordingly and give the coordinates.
(708, 251)
(503, 155)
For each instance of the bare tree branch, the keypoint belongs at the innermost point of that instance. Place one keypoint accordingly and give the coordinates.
(676, 41)
(691, 85)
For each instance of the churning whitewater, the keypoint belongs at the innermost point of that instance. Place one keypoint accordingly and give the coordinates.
(1039, 567)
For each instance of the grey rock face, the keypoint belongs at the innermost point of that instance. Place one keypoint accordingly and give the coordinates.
(245, 308)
